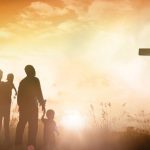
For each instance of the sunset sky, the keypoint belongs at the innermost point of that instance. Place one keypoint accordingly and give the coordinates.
(84, 51)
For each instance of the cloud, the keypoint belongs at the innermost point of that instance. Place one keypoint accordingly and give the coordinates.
(109, 10)
(41, 17)
(40, 13)
(80, 7)
(45, 10)
(41, 21)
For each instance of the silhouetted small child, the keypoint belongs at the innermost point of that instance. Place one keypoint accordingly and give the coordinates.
(49, 130)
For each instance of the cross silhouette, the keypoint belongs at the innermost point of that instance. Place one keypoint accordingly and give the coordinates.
(144, 51)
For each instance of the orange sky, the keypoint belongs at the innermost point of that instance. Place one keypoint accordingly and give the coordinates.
(84, 46)
(9, 9)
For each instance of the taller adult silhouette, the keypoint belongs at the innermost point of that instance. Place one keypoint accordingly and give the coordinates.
(29, 94)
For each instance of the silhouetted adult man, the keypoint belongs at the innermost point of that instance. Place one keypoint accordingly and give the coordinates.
(29, 94)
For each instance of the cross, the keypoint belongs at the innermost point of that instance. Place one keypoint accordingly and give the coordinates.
(144, 51)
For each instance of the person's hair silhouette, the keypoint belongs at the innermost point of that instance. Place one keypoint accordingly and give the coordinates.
(30, 71)
(50, 114)
(29, 95)
(10, 77)
(49, 130)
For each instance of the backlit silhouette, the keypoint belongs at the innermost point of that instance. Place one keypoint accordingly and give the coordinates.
(6, 93)
(29, 94)
(49, 130)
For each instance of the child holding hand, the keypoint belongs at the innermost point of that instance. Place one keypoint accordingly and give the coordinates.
(49, 130)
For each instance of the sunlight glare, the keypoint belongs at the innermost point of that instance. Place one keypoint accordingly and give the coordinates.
(73, 121)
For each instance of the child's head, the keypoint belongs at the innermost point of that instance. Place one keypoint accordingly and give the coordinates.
(50, 114)
(10, 77)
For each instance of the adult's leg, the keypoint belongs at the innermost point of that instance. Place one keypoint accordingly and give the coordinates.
(6, 124)
(33, 127)
(1, 120)
(20, 127)
(1, 124)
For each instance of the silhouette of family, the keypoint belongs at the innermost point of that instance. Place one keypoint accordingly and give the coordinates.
(29, 95)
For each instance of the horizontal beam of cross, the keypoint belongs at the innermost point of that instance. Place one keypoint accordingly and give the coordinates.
(144, 51)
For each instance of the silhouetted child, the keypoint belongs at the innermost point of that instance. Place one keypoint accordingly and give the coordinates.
(49, 130)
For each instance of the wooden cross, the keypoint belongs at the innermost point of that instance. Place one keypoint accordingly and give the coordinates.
(144, 51)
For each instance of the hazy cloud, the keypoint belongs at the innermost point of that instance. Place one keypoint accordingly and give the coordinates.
(44, 9)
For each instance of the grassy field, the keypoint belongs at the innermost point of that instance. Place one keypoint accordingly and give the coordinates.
(93, 140)
(99, 134)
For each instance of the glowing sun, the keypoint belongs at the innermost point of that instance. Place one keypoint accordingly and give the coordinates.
(73, 120)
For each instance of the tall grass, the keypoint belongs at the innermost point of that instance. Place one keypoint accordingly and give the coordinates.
(103, 133)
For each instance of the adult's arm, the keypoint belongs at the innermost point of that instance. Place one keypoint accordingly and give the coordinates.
(19, 94)
(15, 89)
(39, 93)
